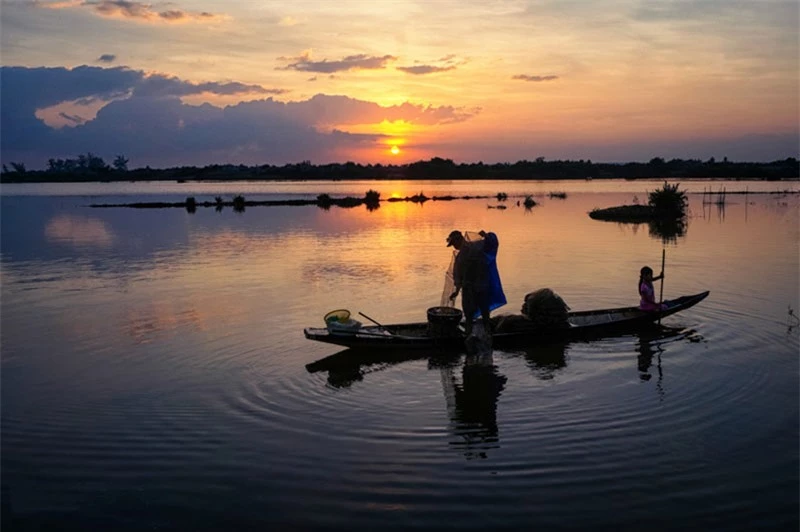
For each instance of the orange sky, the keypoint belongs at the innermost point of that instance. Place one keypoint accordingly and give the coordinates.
(612, 80)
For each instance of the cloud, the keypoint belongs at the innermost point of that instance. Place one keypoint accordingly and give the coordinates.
(303, 63)
(525, 77)
(447, 62)
(136, 11)
(424, 69)
(327, 110)
(64, 4)
(161, 85)
(72, 118)
(78, 231)
(146, 120)
(107, 58)
(37, 88)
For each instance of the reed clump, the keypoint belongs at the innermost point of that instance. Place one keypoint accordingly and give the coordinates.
(372, 198)
(324, 201)
(238, 203)
(668, 201)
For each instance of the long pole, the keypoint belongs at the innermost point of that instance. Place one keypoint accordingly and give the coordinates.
(376, 323)
(661, 296)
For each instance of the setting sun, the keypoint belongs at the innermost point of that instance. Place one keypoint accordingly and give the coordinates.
(395, 150)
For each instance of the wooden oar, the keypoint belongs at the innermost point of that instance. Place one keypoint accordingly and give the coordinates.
(661, 296)
(376, 323)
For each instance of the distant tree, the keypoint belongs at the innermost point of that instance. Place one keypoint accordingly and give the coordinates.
(18, 167)
(95, 163)
(121, 163)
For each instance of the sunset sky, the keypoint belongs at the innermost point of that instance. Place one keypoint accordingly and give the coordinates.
(200, 82)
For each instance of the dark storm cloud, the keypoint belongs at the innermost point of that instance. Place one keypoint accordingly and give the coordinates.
(148, 123)
(351, 62)
(107, 58)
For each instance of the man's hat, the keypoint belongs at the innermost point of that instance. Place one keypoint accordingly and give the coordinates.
(453, 236)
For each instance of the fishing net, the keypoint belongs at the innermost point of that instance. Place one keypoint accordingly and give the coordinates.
(545, 308)
(449, 284)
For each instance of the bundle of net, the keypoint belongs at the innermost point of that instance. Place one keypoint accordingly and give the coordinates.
(542, 309)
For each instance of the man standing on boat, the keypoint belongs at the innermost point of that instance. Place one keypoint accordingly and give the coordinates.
(472, 277)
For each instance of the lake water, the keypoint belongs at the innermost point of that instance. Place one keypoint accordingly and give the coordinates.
(154, 365)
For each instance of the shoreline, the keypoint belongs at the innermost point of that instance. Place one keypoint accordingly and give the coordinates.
(97, 179)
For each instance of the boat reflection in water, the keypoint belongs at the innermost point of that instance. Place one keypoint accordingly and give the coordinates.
(472, 384)
(546, 360)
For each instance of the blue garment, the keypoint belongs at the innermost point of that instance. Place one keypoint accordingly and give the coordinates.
(496, 296)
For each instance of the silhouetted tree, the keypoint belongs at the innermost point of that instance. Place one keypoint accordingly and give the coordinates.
(17, 167)
(121, 163)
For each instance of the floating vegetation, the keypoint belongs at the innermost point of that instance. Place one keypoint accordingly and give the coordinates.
(502, 196)
(371, 200)
(372, 196)
(238, 203)
(665, 213)
(669, 201)
(624, 213)
(500, 207)
(419, 198)
(558, 195)
(324, 201)
(529, 202)
(666, 203)
(191, 204)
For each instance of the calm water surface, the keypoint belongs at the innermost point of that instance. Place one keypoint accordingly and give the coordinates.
(154, 367)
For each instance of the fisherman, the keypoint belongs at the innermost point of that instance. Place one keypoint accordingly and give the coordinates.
(471, 278)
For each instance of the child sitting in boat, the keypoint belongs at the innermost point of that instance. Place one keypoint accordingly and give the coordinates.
(646, 290)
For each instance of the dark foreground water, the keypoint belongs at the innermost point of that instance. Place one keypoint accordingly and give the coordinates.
(154, 368)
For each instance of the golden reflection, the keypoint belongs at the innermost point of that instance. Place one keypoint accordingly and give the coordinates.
(143, 324)
(78, 231)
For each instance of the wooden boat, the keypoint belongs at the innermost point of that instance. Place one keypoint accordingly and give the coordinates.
(581, 324)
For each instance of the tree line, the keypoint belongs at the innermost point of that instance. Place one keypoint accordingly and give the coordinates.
(90, 167)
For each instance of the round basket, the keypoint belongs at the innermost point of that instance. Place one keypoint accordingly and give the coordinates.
(444, 315)
(339, 315)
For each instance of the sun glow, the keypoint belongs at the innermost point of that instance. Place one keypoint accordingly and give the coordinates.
(395, 150)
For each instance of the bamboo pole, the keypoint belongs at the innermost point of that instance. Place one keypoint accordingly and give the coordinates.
(661, 296)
